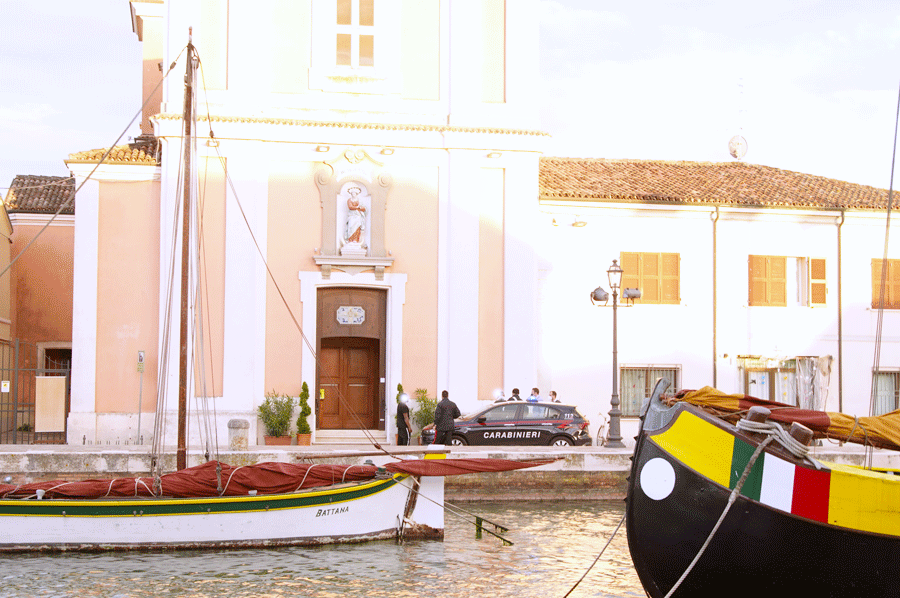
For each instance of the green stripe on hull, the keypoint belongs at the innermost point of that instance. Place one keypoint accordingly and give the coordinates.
(191, 506)
(739, 458)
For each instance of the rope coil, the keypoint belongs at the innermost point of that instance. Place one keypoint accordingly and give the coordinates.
(782, 437)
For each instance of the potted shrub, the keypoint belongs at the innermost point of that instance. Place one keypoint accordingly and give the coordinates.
(275, 413)
(424, 415)
(304, 434)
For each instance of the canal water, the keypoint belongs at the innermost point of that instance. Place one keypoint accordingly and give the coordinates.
(554, 544)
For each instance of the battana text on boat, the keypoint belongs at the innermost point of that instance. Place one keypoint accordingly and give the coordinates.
(215, 505)
(723, 495)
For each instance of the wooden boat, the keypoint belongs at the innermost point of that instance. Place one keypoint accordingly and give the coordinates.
(725, 506)
(218, 506)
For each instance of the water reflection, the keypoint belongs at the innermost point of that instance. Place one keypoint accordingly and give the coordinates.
(554, 543)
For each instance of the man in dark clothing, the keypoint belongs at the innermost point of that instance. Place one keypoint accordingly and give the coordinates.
(515, 395)
(444, 414)
(403, 426)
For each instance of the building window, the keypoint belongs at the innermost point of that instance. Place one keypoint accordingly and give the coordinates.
(887, 392)
(892, 284)
(768, 280)
(781, 281)
(657, 275)
(355, 30)
(636, 384)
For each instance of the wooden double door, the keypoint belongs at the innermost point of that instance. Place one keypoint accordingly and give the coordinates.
(349, 377)
(351, 325)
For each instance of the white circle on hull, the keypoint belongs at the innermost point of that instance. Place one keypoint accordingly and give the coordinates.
(657, 478)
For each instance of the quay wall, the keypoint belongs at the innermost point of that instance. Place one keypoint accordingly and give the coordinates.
(576, 473)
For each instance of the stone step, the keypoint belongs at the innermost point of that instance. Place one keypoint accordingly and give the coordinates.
(350, 437)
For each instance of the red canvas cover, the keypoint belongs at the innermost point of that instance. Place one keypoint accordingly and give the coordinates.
(265, 478)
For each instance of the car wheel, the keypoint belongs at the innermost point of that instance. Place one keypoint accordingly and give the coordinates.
(560, 441)
(458, 441)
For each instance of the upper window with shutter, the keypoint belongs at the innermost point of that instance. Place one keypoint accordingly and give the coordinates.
(817, 287)
(657, 275)
(892, 284)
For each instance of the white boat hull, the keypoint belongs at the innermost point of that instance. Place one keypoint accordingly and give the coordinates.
(377, 509)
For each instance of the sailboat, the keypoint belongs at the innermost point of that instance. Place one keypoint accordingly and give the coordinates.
(215, 505)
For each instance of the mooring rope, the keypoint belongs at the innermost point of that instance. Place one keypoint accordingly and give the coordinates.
(615, 531)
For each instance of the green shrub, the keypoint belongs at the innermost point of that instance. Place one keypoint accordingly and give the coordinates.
(424, 415)
(276, 413)
(302, 424)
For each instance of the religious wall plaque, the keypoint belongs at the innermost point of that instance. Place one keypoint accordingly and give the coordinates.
(351, 314)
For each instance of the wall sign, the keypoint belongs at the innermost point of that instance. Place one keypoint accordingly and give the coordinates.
(351, 314)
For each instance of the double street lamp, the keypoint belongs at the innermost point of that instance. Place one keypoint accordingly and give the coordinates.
(614, 435)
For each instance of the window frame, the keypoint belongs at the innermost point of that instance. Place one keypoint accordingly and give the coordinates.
(633, 409)
(894, 373)
(385, 77)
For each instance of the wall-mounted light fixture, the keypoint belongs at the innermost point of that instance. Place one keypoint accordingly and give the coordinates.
(322, 148)
(494, 155)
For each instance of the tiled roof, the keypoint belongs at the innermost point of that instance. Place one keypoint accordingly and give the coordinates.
(33, 194)
(143, 150)
(702, 183)
(358, 125)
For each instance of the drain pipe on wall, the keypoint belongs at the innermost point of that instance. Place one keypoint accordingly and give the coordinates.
(840, 318)
(715, 222)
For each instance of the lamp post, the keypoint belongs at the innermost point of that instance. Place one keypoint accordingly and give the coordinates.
(614, 436)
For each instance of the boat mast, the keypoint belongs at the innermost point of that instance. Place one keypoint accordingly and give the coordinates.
(181, 454)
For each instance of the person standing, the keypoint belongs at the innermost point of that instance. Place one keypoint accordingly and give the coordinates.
(535, 396)
(444, 414)
(403, 425)
(515, 395)
(553, 398)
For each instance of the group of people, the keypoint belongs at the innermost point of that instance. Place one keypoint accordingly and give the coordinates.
(446, 411)
(534, 397)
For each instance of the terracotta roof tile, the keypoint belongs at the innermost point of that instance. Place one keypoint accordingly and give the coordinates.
(143, 150)
(703, 183)
(33, 194)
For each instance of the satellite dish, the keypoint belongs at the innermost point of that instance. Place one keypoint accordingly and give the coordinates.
(737, 147)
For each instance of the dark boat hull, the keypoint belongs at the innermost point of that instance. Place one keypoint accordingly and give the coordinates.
(757, 551)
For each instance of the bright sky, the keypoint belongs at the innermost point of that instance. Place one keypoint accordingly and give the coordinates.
(812, 85)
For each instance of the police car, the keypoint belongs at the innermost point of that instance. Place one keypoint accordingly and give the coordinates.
(520, 423)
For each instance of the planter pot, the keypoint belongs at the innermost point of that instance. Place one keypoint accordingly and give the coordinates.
(278, 440)
(304, 439)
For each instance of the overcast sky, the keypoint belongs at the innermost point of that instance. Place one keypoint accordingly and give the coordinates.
(811, 85)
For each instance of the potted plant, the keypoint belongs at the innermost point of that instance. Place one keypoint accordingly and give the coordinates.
(275, 414)
(304, 434)
(424, 415)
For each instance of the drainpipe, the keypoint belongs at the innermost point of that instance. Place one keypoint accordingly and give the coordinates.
(715, 222)
(840, 318)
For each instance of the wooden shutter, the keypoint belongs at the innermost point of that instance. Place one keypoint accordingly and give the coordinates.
(670, 278)
(650, 277)
(631, 266)
(892, 289)
(767, 280)
(817, 286)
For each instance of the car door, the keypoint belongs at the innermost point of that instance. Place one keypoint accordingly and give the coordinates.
(495, 426)
(538, 424)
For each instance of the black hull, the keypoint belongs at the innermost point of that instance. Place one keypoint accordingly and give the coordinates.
(757, 551)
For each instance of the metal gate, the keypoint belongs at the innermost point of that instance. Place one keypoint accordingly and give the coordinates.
(20, 369)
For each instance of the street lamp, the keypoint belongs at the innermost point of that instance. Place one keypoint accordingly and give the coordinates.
(614, 435)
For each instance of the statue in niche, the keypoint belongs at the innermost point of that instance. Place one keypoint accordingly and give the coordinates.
(353, 239)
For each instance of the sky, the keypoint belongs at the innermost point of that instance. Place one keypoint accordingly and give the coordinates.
(811, 85)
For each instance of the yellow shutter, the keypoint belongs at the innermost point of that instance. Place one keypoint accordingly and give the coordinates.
(758, 280)
(777, 280)
(650, 277)
(670, 278)
(631, 275)
(817, 287)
